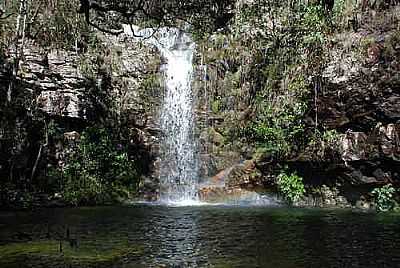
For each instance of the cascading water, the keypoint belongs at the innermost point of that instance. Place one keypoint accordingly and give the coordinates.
(179, 166)
(178, 173)
(179, 163)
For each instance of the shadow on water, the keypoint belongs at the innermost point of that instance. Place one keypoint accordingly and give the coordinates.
(203, 236)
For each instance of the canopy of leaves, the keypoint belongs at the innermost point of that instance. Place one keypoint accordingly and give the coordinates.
(107, 15)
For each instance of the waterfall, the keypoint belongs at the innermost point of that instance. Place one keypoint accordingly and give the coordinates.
(179, 163)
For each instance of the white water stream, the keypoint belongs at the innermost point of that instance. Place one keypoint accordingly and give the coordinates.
(179, 158)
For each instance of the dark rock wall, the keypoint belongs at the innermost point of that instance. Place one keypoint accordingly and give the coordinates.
(57, 94)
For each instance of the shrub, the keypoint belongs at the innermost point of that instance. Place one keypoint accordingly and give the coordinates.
(314, 25)
(98, 170)
(384, 198)
(278, 126)
(325, 144)
(291, 186)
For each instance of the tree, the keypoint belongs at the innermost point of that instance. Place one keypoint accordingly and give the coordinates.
(19, 44)
(201, 14)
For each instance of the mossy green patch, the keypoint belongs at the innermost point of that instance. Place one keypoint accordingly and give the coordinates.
(52, 251)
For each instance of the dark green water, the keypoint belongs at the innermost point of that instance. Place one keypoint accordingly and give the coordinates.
(156, 236)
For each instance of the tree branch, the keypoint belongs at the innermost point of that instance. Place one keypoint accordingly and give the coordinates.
(198, 13)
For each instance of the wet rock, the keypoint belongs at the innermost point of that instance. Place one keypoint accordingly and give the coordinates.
(243, 174)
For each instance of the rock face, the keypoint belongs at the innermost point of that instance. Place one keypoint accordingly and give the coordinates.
(372, 159)
(237, 183)
(363, 103)
(383, 142)
(58, 81)
(358, 99)
(118, 84)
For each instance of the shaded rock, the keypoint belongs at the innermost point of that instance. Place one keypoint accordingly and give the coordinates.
(389, 141)
(390, 107)
(374, 53)
(363, 204)
(381, 176)
(357, 177)
(353, 146)
(72, 136)
(324, 196)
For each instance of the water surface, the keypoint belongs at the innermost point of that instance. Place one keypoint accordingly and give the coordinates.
(206, 236)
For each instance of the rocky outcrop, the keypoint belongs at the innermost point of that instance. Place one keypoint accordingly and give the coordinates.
(236, 196)
(357, 98)
(55, 78)
(239, 182)
(382, 142)
(360, 100)
(114, 84)
(325, 196)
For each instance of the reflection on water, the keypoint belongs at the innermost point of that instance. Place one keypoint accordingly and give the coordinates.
(178, 237)
(158, 236)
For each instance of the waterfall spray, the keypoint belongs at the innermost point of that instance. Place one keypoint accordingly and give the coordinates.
(179, 160)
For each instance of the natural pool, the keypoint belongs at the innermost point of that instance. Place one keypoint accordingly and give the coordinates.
(203, 236)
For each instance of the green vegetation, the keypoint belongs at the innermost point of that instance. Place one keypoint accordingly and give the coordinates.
(278, 126)
(384, 198)
(267, 84)
(284, 56)
(98, 170)
(52, 24)
(325, 144)
(291, 186)
(48, 251)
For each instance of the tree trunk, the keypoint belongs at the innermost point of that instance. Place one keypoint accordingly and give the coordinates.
(40, 153)
(21, 16)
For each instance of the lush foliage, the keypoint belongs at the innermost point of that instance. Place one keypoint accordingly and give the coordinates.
(98, 170)
(274, 54)
(289, 54)
(291, 186)
(50, 23)
(278, 126)
(384, 198)
(325, 144)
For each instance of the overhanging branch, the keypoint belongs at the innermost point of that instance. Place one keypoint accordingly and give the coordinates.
(206, 14)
